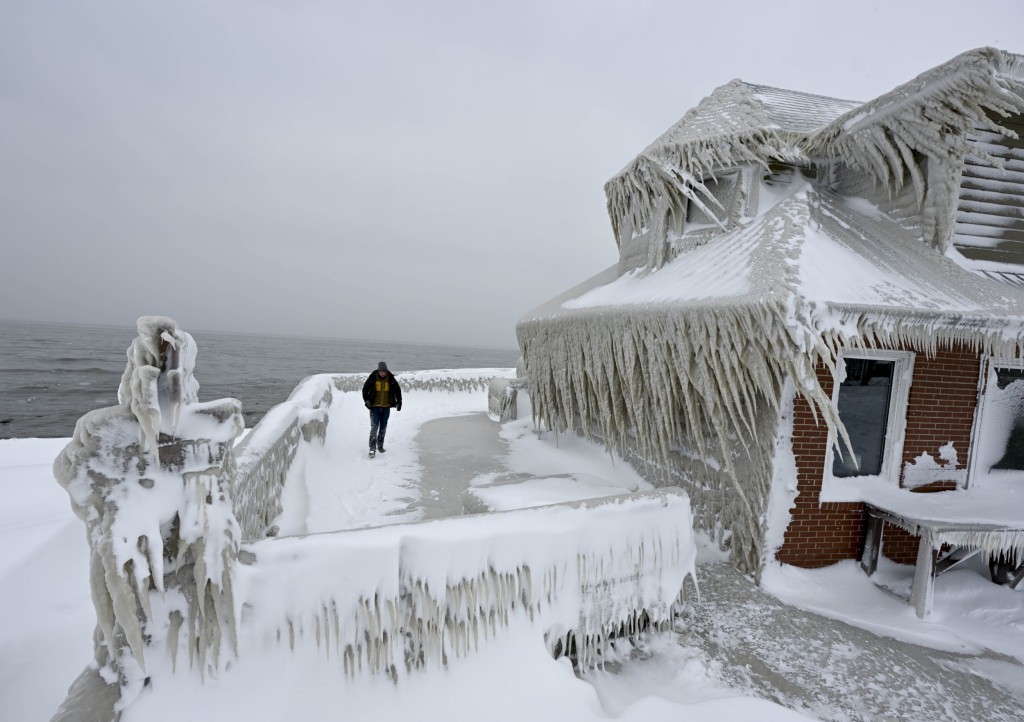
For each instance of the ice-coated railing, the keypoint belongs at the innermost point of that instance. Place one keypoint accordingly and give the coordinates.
(437, 380)
(265, 457)
(393, 599)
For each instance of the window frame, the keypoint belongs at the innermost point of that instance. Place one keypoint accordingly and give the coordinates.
(896, 429)
(987, 363)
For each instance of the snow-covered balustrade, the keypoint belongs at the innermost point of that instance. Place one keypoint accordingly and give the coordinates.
(451, 380)
(393, 599)
(272, 451)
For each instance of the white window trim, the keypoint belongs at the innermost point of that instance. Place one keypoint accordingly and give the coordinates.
(852, 488)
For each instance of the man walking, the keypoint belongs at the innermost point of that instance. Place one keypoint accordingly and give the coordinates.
(381, 392)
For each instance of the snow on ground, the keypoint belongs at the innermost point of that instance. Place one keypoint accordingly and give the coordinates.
(46, 614)
(742, 644)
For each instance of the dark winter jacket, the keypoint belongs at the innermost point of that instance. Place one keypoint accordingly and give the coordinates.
(394, 390)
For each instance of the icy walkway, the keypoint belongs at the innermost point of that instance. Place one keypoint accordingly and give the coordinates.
(835, 671)
(452, 452)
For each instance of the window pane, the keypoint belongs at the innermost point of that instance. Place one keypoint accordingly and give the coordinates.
(723, 189)
(864, 410)
(1009, 395)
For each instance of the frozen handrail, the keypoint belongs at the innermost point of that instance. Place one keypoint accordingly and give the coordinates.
(265, 457)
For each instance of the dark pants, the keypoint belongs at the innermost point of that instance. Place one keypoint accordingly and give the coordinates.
(378, 425)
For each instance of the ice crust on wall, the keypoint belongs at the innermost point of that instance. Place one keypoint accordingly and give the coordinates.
(414, 596)
(783, 486)
(681, 391)
(151, 480)
(924, 469)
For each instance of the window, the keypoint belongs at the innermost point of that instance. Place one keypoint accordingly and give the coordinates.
(724, 190)
(997, 448)
(1011, 383)
(872, 401)
(864, 400)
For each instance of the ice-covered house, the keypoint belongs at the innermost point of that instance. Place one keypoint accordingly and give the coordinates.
(821, 290)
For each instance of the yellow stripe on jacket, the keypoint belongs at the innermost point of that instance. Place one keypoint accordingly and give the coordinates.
(383, 389)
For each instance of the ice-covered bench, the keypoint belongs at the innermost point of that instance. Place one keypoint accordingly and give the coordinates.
(988, 520)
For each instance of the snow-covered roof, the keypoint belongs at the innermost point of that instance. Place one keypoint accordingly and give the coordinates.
(742, 123)
(743, 110)
(815, 273)
(700, 347)
(834, 255)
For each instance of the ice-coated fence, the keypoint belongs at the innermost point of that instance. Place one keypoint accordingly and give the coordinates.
(393, 599)
(438, 380)
(265, 457)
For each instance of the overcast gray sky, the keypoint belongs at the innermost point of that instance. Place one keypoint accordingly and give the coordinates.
(403, 171)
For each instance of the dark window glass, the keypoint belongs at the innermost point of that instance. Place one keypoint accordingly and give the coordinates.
(864, 410)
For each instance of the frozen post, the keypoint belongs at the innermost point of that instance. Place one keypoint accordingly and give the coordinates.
(151, 478)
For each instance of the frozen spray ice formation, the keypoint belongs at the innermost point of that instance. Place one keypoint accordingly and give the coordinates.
(151, 480)
(416, 596)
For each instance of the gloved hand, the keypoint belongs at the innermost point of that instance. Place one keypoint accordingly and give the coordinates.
(367, 404)
(398, 408)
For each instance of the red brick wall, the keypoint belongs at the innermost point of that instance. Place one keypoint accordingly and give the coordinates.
(941, 405)
(818, 534)
(940, 409)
